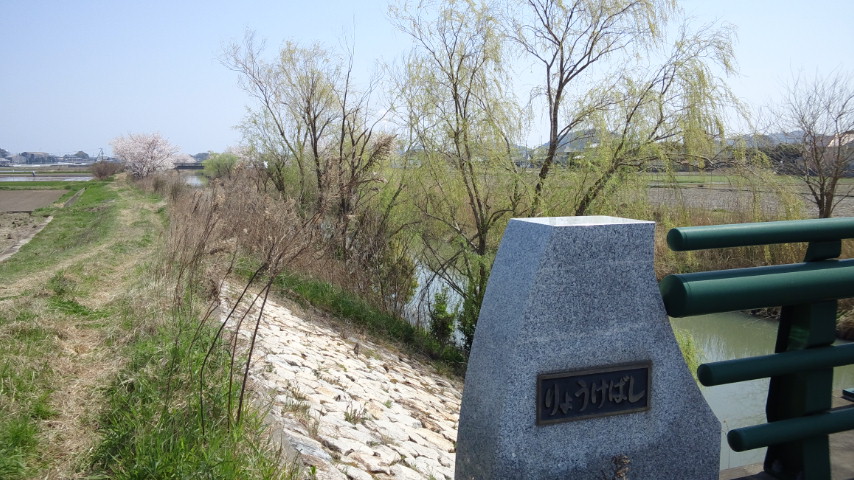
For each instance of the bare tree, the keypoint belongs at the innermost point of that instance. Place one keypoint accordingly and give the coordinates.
(295, 111)
(311, 126)
(316, 134)
(144, 153)
(821, 111)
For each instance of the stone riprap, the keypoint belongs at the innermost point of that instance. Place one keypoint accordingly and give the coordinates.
(348, 406)
(570, 295)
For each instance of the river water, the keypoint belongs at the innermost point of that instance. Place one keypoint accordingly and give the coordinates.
(726, 336)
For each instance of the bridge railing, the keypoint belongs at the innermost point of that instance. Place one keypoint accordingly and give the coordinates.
(798, 408)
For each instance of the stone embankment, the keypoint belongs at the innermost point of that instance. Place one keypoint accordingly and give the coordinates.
(349, 407)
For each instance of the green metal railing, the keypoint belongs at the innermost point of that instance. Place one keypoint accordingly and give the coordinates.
(801, 370)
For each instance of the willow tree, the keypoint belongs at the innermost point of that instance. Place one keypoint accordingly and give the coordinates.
(572, 42)
(460, 124)
(310, 125)
(600, 74)
(672, 112)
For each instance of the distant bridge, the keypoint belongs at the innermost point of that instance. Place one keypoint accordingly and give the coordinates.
(188, 166)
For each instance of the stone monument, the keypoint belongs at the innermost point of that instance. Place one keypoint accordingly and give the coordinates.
(574, 362)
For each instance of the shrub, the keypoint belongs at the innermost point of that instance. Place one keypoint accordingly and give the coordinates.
(102, 170)
(442, 322)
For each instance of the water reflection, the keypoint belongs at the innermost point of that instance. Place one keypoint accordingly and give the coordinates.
(726, 336)
(194, 180)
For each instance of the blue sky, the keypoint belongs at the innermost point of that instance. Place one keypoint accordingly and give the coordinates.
(76, 74)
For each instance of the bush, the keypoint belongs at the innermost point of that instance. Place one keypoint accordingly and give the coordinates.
(102, 170)
(220, 165)
(442, 322)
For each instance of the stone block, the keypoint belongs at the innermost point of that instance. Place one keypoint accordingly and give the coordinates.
(572, 294)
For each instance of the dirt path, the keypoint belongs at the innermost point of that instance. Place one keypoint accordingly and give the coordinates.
(86, 354)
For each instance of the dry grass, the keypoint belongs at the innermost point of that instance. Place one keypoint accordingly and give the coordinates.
(845, 326)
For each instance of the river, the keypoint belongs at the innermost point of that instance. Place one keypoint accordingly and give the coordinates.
(726, 336)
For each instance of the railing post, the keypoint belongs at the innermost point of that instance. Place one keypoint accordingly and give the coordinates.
(801, 394)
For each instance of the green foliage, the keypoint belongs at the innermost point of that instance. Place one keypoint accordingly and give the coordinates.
(690, 350)
(219, 165)
(464, 183)
(17, 442)
(61, 284)
(442, 321)
(168, 412)
(148, 433)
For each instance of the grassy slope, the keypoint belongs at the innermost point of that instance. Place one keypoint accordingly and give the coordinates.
(51, 314)
(83, 344)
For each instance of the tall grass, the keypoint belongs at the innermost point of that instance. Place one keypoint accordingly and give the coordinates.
(153, 427)
(171, 411)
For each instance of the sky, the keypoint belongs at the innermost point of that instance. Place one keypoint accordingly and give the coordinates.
(75, 74)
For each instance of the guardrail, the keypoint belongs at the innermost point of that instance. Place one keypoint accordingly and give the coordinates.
(801, 369)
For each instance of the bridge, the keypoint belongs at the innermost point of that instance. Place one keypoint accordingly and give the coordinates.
(188, 166)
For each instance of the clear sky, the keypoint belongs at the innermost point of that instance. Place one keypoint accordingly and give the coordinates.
(75, 74)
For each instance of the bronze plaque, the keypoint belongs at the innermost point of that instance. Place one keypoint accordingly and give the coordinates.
(590, 393)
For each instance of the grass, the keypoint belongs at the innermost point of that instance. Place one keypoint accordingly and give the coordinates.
(25, 384)
(690, 178)
(30, 326)
(64, 173)
(98, 373)
(152, 426)
(699, 179)
(78, 228)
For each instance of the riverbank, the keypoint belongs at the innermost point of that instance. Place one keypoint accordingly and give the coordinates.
(348, 405)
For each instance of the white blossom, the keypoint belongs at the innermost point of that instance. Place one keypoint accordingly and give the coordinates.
(144, 153)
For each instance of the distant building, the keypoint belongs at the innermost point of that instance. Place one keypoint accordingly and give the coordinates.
(38, 157)
(842, 140)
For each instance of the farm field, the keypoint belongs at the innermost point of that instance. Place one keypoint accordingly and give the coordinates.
(27, 200)
(17, 225)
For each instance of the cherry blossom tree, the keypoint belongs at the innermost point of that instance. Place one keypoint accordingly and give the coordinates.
(144, 153)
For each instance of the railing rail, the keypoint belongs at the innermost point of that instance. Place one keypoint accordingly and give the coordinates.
(801, 369)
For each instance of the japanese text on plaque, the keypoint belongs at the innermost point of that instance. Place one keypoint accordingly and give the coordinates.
(574, 395)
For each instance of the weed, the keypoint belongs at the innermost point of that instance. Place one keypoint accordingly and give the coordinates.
(61, 284)
(355, 414)
(312, 424)
(295, 406)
